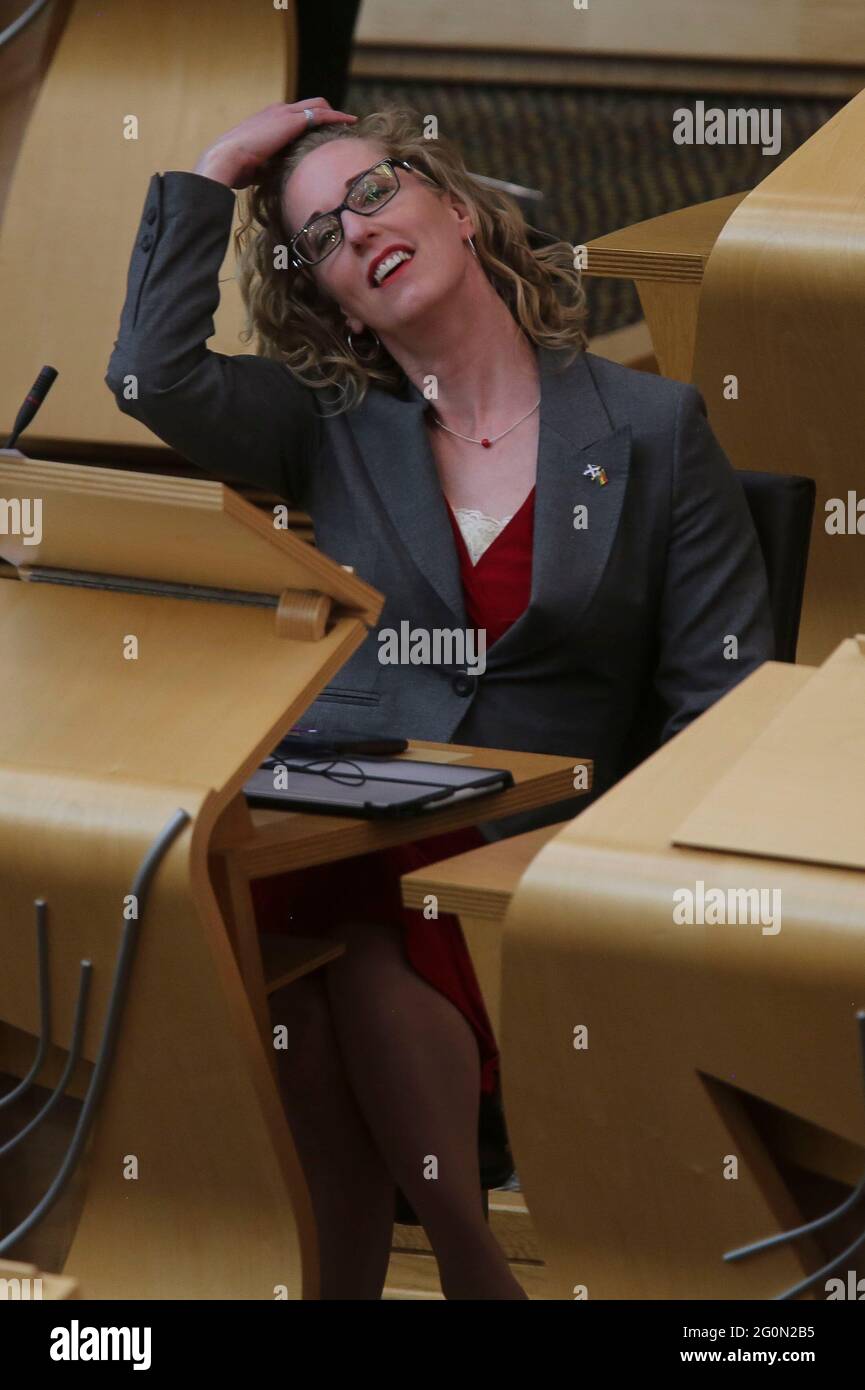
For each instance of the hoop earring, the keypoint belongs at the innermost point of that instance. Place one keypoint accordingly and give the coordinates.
(369, 357)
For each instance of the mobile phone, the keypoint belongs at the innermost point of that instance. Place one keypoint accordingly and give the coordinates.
(312, 741)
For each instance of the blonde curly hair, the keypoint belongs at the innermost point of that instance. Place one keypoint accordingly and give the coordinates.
(294, 322)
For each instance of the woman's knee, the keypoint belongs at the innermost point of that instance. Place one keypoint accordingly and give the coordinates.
(302, 1028)
(369, 946)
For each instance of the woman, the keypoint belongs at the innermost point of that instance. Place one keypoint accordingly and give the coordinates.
(423, 390)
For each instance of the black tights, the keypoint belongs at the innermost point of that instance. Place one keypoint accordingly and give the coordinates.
(380, 1079)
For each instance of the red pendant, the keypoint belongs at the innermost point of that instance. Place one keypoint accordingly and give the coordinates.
(486, 443)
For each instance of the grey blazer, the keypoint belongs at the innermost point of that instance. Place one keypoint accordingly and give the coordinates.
(626, 638)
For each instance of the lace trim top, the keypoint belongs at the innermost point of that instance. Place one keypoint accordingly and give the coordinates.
(478, 530)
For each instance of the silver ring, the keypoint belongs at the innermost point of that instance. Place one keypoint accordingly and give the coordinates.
(310, 116)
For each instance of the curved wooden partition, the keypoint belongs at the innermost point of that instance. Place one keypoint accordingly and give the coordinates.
(781, 308)
(23, 65)
(119, 708)
(716, 1060)
(218, 1207)
(193, 1187)
(132, 89)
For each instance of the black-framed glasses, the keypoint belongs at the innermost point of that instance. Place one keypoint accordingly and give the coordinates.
(369, 192)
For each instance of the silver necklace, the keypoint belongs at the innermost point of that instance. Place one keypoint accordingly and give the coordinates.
(485, 441)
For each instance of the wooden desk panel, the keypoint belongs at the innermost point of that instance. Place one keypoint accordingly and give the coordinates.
(781, 309)
(685, 1025)
(272, 841)
(255, 844)
(481, 882)
(666, 258)
(174, 77)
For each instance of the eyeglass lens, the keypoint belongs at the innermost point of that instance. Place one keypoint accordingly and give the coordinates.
(367, 194)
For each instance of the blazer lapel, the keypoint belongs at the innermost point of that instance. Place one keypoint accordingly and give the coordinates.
(392, 438)
(574, 432)
(567, 561)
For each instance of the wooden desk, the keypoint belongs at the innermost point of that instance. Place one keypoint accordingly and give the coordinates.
(192, 1094)
(619, 843)
(166, 86)
(26, 1282)
(481, 882)
(666, 258)
(478, 886)
(249, 844)
(771, 279)
(704, 1042)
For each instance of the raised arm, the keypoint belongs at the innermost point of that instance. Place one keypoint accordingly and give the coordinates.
(243, 418)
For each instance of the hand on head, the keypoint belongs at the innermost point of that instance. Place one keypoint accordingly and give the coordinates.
(235, 157)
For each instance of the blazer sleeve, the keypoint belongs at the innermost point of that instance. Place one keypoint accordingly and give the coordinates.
(715, 586)
(243, 418)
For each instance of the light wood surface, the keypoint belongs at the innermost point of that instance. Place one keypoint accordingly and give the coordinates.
(666, 258)
(79, 186)
(413, 1274)
(284, 840)
(671, 248)
(685, 1025)
(23, 64)
(17, 1279)
(781, 308)
(246, 844)
(788, 31)
(287, 958)
(781, 798)
(481, 882)
(96, 753)
(523, 67)
(631, 345)
(763, 288)
(672, 312)
(414, 1277)
(171, 672)
(185, 531)
(189, 1096)
(509, 1221)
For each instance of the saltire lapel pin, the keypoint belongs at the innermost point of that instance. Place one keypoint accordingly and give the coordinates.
(596, 474)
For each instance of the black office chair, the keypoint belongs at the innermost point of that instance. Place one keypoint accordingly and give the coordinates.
(782, 509)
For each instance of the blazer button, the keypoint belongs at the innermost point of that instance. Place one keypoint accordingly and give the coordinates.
(146, 242)
(464, 685)
(150, 216)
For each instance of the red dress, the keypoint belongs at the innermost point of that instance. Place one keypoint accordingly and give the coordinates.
(307, 901)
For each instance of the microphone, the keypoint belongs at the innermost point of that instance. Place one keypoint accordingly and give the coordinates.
(32, 401)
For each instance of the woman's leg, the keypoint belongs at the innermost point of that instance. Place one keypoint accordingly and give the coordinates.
(413, 1063)
(351, 1190)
